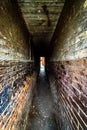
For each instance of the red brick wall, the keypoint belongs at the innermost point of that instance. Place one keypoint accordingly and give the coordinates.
(15, 65)
(71, 81)
(15, 115)
(13, 73)
(68, 66)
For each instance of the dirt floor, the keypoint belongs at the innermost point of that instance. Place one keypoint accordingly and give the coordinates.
(41, 116)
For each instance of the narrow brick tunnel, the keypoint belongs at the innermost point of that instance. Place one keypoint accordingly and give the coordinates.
(43, 64)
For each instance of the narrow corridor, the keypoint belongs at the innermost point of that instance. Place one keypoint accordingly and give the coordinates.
(53, 33)
(41, 115)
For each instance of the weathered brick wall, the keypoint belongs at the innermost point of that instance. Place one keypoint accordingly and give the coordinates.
(15, 115)
(71, 80)
(15, 65)
(12, 75)
(69, 41)
(13, 72)
(14, 37)
(68, 65)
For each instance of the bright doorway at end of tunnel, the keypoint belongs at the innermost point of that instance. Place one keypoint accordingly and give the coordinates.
(42, 64)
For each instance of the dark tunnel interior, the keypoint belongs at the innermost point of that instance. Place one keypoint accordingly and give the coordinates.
(43, 64)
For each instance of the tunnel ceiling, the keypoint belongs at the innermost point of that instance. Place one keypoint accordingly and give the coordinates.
(41, 17)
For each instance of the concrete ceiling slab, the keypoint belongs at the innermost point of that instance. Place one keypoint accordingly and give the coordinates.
(41, 17)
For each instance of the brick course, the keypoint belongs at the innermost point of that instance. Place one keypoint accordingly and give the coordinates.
(15, 65)
(71, 80)
(15, 115)
(68, 66)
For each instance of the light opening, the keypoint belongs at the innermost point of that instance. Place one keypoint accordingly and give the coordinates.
(42, 64)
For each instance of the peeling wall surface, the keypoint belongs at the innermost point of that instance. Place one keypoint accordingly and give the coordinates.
(68, 66)
(15, 67)
(14, 37)
(66, 60)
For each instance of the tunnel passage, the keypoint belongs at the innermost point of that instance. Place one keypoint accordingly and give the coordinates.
(42, 113)
(56, 30)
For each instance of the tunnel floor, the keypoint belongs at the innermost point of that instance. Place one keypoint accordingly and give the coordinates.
(41, 115)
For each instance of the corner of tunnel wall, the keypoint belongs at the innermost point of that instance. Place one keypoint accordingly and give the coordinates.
(68, 64)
